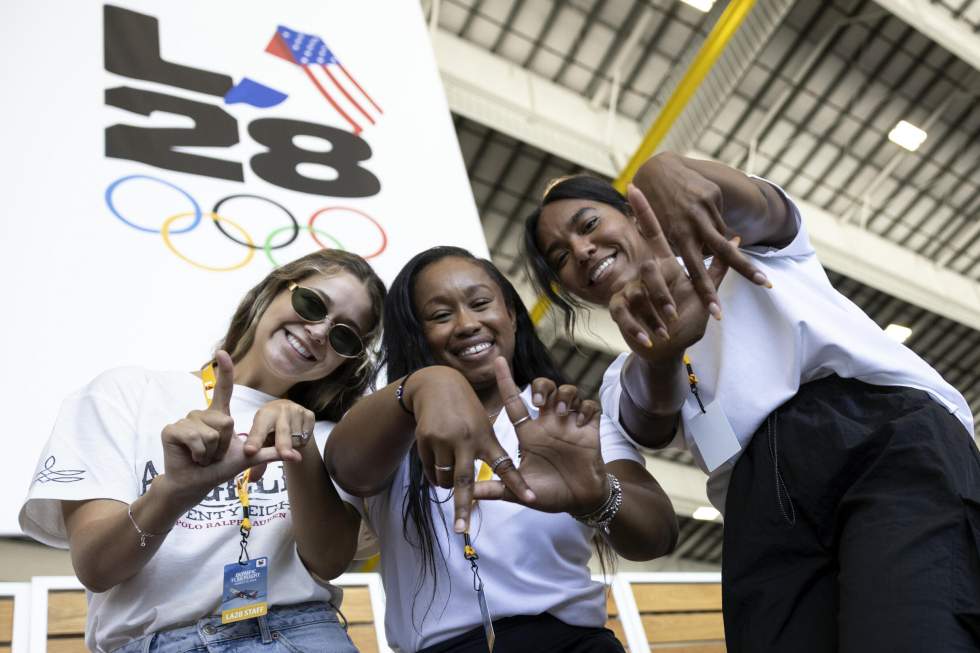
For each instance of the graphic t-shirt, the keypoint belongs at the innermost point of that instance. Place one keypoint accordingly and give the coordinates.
(106, 445)
(531, 562)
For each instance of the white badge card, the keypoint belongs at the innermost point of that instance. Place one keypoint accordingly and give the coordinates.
(714, 436)
(245, 594)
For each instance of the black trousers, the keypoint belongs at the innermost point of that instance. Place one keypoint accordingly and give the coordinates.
(541, 633)
(853, 524)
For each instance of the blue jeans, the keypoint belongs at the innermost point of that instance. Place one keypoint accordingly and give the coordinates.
(300, 628)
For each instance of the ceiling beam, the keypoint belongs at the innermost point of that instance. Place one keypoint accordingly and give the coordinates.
(508, 98)
(495, 92)
(937, 24)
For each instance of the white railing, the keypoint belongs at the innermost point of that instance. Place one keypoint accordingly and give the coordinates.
(21, 594)
(30, 630)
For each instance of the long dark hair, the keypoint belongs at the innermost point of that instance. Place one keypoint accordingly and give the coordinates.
(330, 397)
(405, 350)
(543, 276)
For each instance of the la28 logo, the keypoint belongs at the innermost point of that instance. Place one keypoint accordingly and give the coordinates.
(132, 49)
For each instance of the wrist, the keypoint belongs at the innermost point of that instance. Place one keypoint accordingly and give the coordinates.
(416, 381)
(658, 389)
(310, 461)
(596, 496)
(602, 517)
(167, 494)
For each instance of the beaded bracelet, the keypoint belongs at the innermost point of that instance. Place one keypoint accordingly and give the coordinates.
(400, 393)
(601, 517)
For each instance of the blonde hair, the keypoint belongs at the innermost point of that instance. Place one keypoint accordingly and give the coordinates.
(331, 396)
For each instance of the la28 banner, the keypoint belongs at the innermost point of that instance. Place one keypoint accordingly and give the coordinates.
(161, 157)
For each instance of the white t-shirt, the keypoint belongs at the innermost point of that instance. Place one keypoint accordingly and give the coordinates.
(771, 341)
(106, 445)
(531, 562)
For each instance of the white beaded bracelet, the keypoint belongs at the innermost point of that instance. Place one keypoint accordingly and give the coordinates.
(601, 517)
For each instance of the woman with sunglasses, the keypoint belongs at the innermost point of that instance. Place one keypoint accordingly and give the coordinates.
(844, 464)
(455, 333)
(151, 507)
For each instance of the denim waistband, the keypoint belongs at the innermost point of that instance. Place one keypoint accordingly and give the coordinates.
(210, 630)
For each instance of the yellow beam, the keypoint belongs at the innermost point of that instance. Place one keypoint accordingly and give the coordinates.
(540, 309)
(723, 31)
(711, 49)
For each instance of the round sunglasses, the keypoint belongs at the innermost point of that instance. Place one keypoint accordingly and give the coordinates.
(308, 304)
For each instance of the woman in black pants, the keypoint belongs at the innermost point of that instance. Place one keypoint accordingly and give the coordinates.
(844, 464)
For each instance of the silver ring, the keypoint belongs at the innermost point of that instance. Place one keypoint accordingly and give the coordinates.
(521, 421)
(497, 462)
(443, 468)
(300, 439)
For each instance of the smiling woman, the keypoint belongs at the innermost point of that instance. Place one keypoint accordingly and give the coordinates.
(467, 340)
(844, 463)
(474, 383)
(294, 359)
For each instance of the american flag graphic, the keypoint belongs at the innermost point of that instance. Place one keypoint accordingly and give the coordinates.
(337, 86)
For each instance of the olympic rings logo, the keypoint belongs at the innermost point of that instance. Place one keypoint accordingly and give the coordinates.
(226, 226)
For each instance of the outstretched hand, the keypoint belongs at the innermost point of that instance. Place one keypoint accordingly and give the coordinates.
(201, 450)
(660, 313)
(452, 433)
(560, 456)
(689, 207)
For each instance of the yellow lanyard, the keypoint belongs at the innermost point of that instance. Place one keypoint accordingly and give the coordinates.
(468, 551)
(208, 381)
(692, 380)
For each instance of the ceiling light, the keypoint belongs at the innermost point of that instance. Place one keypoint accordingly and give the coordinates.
(907, 135)
(700, 5)
(706, 513)
(898, 332)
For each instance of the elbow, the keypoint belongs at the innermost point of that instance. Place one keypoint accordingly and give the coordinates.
(669, 529)
(361, 490)
(356, 487)
(330, 564)
(92, 581)
(359, 487)
(662, 544)
(327, 571)
(671, 535)
(89, 574)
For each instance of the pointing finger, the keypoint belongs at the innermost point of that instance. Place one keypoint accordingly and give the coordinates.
(694, 261)
(718, 270)
(225, 383)
(647, 221)
(509, 391)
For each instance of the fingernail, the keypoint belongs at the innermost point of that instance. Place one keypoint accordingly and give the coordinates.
(562, 408)
(761, 280)
(670, 312)
(529, 496)
(644, 339)
(662, 333)
(715, 310)
(460, 526)
(737, 240)
(537, 400)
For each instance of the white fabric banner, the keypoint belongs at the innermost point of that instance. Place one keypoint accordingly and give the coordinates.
(161, 157)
